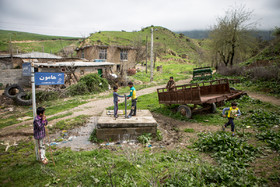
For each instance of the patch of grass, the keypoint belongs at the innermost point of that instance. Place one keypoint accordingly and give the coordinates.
(226, 149)
(70, 123)
(179, 71)
(270, 137)
(4, 122)
(60, 116)
(101, 167)
(93, 137)
(189, 130)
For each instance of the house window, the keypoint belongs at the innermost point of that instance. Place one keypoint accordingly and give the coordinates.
(123, 54)
(103, 54)
(83, 54)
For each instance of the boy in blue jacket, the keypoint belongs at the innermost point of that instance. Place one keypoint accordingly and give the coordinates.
(116, 101)
(233, 112)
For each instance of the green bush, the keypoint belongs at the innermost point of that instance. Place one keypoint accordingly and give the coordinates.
(77, 89)
(90, 83)
(94, 82)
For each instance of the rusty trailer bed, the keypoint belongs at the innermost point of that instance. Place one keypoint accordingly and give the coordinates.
(199, 93)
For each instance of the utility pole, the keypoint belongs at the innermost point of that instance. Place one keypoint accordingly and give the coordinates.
(152, 55)
(146, 54)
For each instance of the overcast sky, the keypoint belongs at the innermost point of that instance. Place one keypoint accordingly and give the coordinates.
(81, 17)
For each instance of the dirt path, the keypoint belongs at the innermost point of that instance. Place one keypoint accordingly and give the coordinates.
(93, 108)
(265, 98)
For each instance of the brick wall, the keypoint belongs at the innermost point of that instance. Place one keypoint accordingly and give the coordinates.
(13, 76)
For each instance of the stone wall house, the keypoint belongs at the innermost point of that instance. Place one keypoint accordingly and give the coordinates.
(121, 56)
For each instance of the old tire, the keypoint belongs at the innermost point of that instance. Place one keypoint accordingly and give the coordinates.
(10, 91)
(20, 99)
(185, 111)
(213, 108)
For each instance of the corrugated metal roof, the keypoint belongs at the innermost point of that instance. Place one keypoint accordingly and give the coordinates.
(74, 64)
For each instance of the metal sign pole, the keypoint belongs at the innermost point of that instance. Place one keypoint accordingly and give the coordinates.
(33, 90)
(125, 113)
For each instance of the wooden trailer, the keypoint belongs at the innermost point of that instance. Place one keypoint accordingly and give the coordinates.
(206, 94)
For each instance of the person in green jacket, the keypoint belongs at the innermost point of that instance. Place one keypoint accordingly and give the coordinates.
(133, 100)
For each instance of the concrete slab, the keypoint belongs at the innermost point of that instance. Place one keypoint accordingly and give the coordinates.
(143, 118)
(111, 129)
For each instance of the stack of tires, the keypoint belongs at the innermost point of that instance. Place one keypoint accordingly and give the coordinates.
(16, 93)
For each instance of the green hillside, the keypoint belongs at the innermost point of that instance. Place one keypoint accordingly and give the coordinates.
(19, 36)
(165, 41)
(270, 53)
(49, 43)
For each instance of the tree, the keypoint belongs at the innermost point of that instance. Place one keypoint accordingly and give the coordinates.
(231, 35)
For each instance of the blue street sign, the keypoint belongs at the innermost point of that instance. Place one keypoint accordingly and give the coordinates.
(42, 78)
(26, 69)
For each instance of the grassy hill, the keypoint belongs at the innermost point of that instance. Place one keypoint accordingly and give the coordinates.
(165, 41)
(271, 53)
(34, 42)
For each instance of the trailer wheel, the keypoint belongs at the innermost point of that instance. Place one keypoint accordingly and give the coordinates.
(213, 108)
(11, 91)
(185, 111)
(20, 99)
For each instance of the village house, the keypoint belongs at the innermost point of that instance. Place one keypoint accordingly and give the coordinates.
(74, 68)
(123, 57)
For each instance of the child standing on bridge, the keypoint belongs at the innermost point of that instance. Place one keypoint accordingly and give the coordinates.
(233, 112)
(39, 124)
(116, 101)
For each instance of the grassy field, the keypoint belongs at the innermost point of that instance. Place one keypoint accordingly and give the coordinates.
(233, 158)
(50, 43)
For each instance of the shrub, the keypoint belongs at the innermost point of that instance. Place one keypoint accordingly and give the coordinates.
(264, 73)
(77, 89)
(229, 71)
(94, 82)
(90, 83)
(145, 138)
